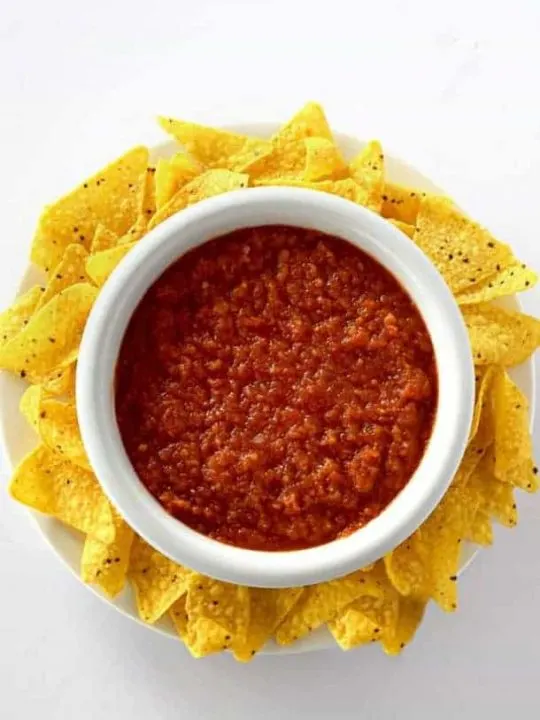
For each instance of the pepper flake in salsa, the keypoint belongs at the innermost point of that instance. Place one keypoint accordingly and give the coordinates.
(276, 388)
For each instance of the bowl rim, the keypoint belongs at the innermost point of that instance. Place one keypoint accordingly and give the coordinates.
(146, 262)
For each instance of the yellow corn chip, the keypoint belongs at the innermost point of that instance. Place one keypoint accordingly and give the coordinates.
(512, 460)
(69, 271)
(496, 498)
(409, 616)
(508, 281)
(268, 609)
(439, 543)
(146, 201)
(106, 564)
(483, 401)
(323, 160)
(406, 569)
(369, 619)
(103, 239)
(16, 317)
(202, 637)
(321, 603)
(367, 169)
(30, 403)
(157, 581)
(404, 227)
(215, 148)
(500, 337)
(308, 122)
(58, 429)
(463, 252)
(353, 628)
(173, 174)
(50, 341)
(480, 530)
(401, 203)
(347, 188)
(61, 382)
(108, 198)
(222, 603)
(100, 266)
(287, 162)
(46, 482)
(210, 183)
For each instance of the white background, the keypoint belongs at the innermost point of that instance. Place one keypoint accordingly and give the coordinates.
(453, 88)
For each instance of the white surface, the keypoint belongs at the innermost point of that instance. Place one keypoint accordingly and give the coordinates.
(79, 81)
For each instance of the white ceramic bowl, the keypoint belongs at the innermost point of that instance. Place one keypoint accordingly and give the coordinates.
(126, 287)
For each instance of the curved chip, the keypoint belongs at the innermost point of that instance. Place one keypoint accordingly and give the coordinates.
(215, 148)
(367, 169)
(463, 251)
(16, 317)
(52, 485)
(499, 336)
(108, 198)
(106, 563)
(50, 341)
(158, 582)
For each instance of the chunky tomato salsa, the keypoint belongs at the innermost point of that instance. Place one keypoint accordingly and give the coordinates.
(276, 388)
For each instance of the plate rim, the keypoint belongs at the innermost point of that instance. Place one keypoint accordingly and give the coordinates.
(319, 640)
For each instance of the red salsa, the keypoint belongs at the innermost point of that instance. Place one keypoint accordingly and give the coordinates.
(276, 388)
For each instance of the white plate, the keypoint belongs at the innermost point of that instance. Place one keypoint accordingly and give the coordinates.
(17, 438)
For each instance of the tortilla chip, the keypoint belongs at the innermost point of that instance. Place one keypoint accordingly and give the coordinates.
(510, 280)
(158, 582)
(287, 162)
(172, 174)
(106, 564)
(512, 458)
(308, 122)
(367, 169)
(324, 160)
(496, 498)
(69, 271)
(210, 183)
(61, 382)
(47, 482)
(50, 341)
(347, 188)
(369, 618)
(438, 543)
(58, 429)
(401, 203)
(201, 637)
(480, 531)
(108, 198)
(268, 609)
(500, 337)
(215, 148)
(219, 603)
(322, 603)
(146, 200)
(101, 265)
(29, 404)
(353, 628)
(16, 317)
(404, 227)
(410, 614)
(483, 401)
(406, 569)
(103, 239)
(463, 252)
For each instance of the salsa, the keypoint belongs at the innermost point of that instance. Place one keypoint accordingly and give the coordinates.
(276, 388)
